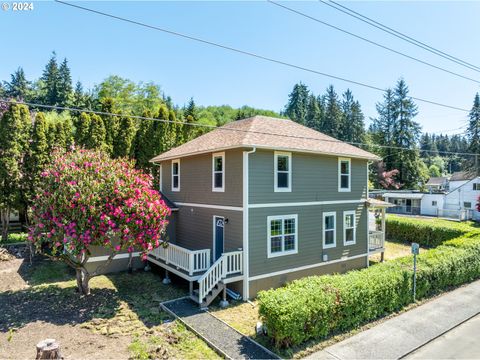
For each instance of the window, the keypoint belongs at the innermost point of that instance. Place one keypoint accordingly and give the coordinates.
(282, 235)
(434, 203)
(476, 187)
(344, 169)
(467, 205)
(218, 172)
(283, 171)
(349, 228)
(329, 230)
(175, 175)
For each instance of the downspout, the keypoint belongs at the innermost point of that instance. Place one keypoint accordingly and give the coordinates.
(245, 185)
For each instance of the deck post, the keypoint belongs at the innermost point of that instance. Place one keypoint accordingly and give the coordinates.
(224, 302)
(382, 256)
(166, 280)
(190, 285)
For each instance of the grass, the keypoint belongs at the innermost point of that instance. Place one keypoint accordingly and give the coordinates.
(14, 238)
(120, 305)
(393, 250)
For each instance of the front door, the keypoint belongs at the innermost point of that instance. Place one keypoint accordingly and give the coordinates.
(409, 206)
(218, 234)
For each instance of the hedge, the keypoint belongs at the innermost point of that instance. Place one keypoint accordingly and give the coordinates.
(426, 232)
(15, 238)
(318, 306)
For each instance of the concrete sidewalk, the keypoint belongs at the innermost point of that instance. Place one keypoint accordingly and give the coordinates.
(401, 335)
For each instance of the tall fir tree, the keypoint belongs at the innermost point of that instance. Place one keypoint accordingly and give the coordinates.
(332, 121)
(112, 124)
(50, 81)
(353, 122)
(297, 105)
(18, 87)
(96, 134)
(124, 141)
(14, 135)
(78, 100)
(82, 129)
(64, 86)
(473, 136)
(315, 114)
(190, 115)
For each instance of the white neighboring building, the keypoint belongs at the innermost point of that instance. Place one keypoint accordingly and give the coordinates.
(431, 203)
(464, 191)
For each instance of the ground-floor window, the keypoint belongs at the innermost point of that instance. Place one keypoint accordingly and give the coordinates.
(329, 230)
(349, 228)
(282, 235)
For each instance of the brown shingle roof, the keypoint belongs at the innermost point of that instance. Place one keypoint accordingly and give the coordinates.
(436, 180)
(266, 132)
(462, 175)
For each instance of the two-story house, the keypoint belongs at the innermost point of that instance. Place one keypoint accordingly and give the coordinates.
(260, 202)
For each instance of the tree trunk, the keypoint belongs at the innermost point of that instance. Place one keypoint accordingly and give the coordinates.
(83, 277)
(48, 349)
(5, 217)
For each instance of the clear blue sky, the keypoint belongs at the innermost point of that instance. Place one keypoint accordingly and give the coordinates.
(97, 47)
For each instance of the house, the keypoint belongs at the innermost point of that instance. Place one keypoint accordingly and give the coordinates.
(464, 191)
(263, 201)
(405, 202)
(437, 184)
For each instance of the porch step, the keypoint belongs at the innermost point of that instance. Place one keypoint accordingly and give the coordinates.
(210, 297)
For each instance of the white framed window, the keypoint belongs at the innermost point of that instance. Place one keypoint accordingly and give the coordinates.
(218, 172)
(282, 235)
(434, 203)
(160, 176)
(476, 187)
(176, 175)
(329, 230)
(344, 174)
(467, 205)
(349, 228)
(283, 171)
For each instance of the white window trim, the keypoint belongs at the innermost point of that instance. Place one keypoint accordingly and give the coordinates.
(275, 168)
(160, 181)
(269, 236)
(325, 214)
(177, 161)
(222, 155)
(340, 189)
(345, 242)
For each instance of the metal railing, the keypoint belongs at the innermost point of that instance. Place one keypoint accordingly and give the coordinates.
(456, 214)
(376, 240)
(403, 209)
(189, 260)
(228, 263)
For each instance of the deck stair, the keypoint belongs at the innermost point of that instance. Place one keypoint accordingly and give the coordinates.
(209, 297)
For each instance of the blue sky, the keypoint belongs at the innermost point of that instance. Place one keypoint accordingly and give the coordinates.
(97, 47)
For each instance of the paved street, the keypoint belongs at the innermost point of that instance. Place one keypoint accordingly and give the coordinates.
(461, 342)
(410, 331)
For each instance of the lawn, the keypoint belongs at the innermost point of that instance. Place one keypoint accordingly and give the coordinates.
(121, 318)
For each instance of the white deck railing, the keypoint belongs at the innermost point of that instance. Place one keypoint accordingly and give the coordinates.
(376, 240)
(189, 260)
(228, 263)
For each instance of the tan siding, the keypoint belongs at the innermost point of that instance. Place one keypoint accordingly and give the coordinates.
(310, 247)
(273, 282)
(196, 180)
(195, 228)
(314, 178)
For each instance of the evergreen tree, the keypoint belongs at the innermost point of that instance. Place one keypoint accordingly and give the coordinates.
(353, 123)
(18, 87)
(14, 133)
(473, 135)
(144, 142)
(60, 135)
(96, 134)
(297, 106)
(314, 116)
(37, 157)
(82, 128)
(332, 121)
(64, 86)
(190, 114)
(78, 100)
(111, 122)
(50, 81)
(382, 129)
(123, 142)
(177, 129)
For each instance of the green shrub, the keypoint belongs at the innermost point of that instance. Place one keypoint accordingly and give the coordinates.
(15, 238)
(317, 306)
(426, 232)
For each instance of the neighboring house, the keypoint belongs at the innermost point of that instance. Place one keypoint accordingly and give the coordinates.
(263, 201)
(457, 200)
(437, 184)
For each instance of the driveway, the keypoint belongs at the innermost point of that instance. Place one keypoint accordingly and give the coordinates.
(459, 343)
(407, 333)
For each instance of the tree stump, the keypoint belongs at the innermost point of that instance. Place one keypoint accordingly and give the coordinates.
(48, 349)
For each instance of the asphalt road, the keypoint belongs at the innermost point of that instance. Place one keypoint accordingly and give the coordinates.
(462, 342)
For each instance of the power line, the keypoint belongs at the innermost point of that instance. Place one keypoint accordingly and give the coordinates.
(372, 42)
(332, 140)
(398, 34)
(244, 52)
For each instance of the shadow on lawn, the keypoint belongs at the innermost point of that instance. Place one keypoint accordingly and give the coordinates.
(119, 303)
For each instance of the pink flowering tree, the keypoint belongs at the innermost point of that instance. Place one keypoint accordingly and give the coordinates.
(88, 200)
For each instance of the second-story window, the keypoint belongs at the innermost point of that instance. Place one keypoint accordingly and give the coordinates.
(476, 187)
(283, 171)
(218, 172)
(176, 175)
(344, 174)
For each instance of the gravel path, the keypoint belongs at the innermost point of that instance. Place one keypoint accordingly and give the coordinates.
(230, 342)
